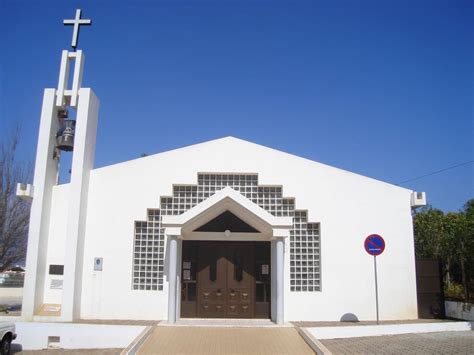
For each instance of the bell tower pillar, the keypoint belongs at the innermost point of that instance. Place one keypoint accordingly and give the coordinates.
(82, 164)
(59, 134)
(45, 177)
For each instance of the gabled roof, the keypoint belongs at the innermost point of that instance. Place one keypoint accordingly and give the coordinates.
(235, 146)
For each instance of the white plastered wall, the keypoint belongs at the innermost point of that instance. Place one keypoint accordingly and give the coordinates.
(348, 206)
(56, 241)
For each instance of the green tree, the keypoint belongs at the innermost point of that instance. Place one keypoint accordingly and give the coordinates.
(429, 232)
(455, 244)
(450, 238)
(467, 246)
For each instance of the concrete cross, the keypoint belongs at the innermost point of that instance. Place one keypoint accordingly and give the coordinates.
(76, 23)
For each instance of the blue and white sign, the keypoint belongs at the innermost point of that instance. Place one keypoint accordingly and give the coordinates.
(374, 244)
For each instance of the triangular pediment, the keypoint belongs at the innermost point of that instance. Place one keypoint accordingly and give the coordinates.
(227, 221)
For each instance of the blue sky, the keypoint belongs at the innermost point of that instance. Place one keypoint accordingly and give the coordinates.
(380, 88)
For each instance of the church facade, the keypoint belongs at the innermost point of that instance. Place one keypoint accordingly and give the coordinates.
(222, 229)
(228, 229)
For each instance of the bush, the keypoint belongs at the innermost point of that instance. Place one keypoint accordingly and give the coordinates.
(454, 290)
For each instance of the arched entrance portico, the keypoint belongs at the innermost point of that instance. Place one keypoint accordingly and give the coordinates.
(265, 227)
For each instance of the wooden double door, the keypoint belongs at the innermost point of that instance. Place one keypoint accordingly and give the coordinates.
(226, 278)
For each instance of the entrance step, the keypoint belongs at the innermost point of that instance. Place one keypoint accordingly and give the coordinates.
(225, 322)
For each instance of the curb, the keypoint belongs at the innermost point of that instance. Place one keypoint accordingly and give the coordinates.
(313, 343)
(342, 332)
(136, 344)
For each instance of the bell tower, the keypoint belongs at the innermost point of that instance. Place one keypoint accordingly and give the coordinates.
(60, 133)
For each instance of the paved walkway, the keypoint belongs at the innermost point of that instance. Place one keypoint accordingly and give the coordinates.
(423, 343)
(210, 340)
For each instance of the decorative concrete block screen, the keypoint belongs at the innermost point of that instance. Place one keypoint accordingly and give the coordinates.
(149, 253)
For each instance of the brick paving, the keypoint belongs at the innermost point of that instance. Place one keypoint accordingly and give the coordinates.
(212, 340)
(423, 343)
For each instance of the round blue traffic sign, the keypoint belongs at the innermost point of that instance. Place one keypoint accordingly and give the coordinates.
(374, 244)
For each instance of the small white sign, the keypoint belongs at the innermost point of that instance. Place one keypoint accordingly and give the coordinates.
(187, 274)
(56, 284)
(265, 269)
(186, 265)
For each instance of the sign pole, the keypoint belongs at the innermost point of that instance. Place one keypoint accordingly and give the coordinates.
(375, 245)
(376, 290)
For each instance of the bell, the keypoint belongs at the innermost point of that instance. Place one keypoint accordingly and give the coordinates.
(65, 136)
(63, 113)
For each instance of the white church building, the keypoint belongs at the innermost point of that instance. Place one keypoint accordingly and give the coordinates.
(222, 229)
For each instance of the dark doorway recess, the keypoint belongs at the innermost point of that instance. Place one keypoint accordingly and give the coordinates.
(227, 221)
(223, 279)
(429, 284)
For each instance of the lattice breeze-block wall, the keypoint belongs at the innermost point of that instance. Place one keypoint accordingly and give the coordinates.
(149, 241)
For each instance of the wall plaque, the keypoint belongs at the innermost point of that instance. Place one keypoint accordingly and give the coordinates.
(56, 284)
